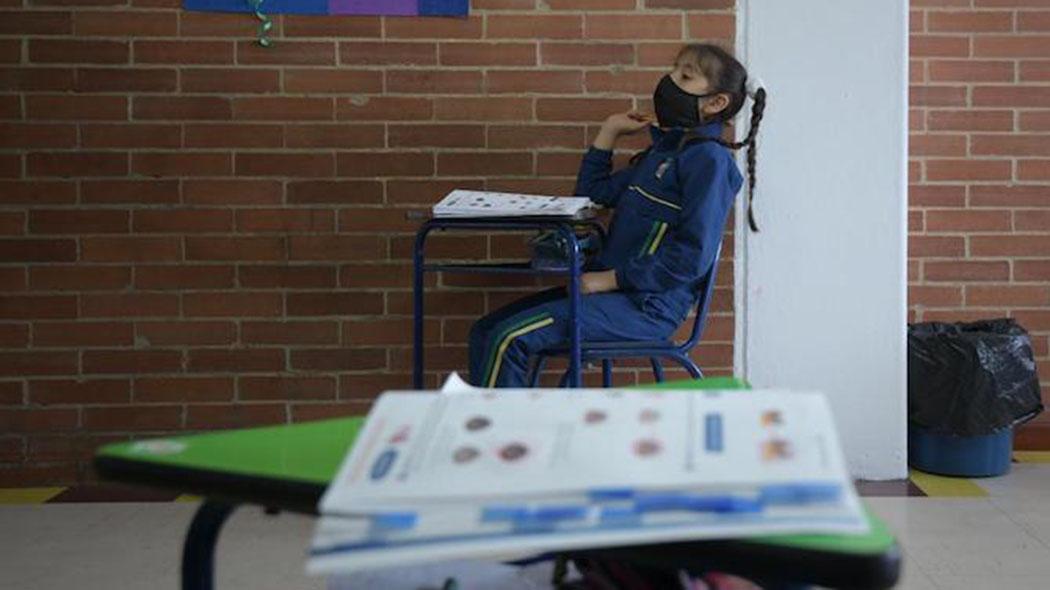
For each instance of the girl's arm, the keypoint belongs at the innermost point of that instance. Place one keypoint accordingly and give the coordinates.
(595, 178)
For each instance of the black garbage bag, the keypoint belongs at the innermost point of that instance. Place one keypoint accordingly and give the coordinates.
(971, 379)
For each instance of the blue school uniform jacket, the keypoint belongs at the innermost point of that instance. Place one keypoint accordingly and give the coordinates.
(671, 209)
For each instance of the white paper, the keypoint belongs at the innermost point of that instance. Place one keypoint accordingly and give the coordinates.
(467, 203)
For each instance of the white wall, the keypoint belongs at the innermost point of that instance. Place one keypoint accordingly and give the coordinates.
(821, 290)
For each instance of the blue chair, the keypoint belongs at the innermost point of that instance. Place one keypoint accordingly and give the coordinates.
(607, 352)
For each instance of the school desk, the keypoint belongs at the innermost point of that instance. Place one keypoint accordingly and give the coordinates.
(288, 468)
(565, 227)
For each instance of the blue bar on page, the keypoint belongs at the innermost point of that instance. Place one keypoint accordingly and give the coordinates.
(619, 516)
(394, 521)
(713, 433)
(503, 513)
(800, 493)
(556, 513)
(610, 494)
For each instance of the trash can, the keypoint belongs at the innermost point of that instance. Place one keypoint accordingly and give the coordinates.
(969, 385)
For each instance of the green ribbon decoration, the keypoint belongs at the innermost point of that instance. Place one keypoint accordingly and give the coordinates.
(265, 24)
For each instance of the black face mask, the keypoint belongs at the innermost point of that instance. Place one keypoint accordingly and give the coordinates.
(676, 107)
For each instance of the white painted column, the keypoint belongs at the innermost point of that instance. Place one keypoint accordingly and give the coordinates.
(822, 290)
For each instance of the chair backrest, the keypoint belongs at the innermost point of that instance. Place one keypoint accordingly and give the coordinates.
(707, 291)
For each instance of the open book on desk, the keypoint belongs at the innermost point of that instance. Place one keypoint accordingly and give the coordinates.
(481, 474)
(467, 204)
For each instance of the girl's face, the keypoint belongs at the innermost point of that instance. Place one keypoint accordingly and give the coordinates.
(690, 78)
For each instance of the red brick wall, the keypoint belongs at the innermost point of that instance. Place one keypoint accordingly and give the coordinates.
(196, 232)
(980, 168)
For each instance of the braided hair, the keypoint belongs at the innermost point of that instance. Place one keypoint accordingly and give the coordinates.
(727, 75)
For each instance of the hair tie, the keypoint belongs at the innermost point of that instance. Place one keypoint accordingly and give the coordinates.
(753, 85)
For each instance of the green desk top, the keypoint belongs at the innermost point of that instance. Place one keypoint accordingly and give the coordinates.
(310, 453)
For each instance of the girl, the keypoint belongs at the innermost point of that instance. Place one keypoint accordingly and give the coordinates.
(671, 206)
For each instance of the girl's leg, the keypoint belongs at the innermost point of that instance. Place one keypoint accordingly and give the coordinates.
(481, 331)
(603, 317)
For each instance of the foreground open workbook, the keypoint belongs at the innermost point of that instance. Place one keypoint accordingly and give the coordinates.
(487, 474)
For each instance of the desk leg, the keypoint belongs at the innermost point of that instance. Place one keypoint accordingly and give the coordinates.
(575, 361)
(198, 552)
(417, 305)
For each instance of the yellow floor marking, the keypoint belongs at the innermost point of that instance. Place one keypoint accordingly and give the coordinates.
(28, 495)
(1032, 456)
(937, 486)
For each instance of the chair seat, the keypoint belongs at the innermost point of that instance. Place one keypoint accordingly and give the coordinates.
(626, 345)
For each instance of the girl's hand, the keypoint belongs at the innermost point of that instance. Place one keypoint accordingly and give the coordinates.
(627, 123)
(598, 282)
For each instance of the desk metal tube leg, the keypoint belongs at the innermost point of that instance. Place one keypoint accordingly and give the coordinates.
(198, 551)
(574, 306)
(417, 306)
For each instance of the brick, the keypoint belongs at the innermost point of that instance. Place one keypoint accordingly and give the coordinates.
(11, 393)
(575, 110)
(213, 24)
(1010, 245)
(13, 278)
(1011, 96)
(37, 420)
(133, 418)
(970, 120)
(504, 4)
(439, 246)
(75, 51)
(387, 53)
(711, 26)
(13, 336)
(11, 108)
(339, 135)
(557, 163)
(131, 361)
(284, 276)
(1013, 45)
(183, 389)
(534, 26)
(326, 26)
(334, 304)
(37, 79)
(67, 447)
(967, 221)
(287, 52)
(66, 221)
(969, 70)
(211, 417)
(129, 305)
(652, 54)
(332, 81)
(633, 26)
(338, 248)
(232, 304)
(284, 164)
(25, 22)
(286, 387)
(37, 250)
(82, 334)
(437, 135)
(937, 195)
(183, 52)
(1007, 296)
(129, 249)
(1035, 71)
(1032, 270)
(590, 5)
(387, 331)
(1009, 196)
(938, 46)
(185, 333)
(376, 220)
(69, 164)
(183, 276)
(12, 223)
(962, 170)
(77, 108)
(87, 391)
(285, 220)
(384, 108)
(586, 54)
(966, 271)
(533, 82)
(639, 82)
(916, 71)
(240, 134)
(235, 248)
(1034, 121)
(1036, 321)
(232, 192)
(290, 332)
(11, 51)
(181, 163)
(230, 80)
(182, 221)
(433, 81)
(338, 359)
(37, 192)
(308, 412)
(20, 364)
(484, 163)
(31, 135)
(1033, 20)
(1012, 145)
(384, 164)
(125, 80)
(444, 303)
(935, 296)
(1028, 170)
(381, 275)
(441, 358)
(129, 24)
(487, 54)
(937, 145)
(145, 192)
(425, 192)
(368, 386)
(198, 108)
(350, 192)
(483, 109)
(236, 360)
(940, 96)
(936, 247)
(1032, 220)
(433, 28)
(966, 21)
(135, 135)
